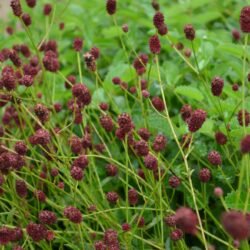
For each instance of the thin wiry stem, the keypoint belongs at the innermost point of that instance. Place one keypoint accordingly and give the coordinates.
(182, 153)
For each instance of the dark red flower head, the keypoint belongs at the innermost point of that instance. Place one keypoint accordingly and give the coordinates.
(141, 148)
(81, 162)
(126, 227)
(111, 238)
(187, 52)
(245, 19)
(236, 224)
(21, 188)
(47, 217)
(196, 120)
(82, 93)
(76, 173)
(163, 30)
(41, 137)
(51, 62)
(112, 197)
(16, 7)
(245, 144)
(17, 248)
(235, 87)
(217, 86)
(61, 25)
(111, 7)
(158, 19)
(155, 5)
(151, 162)
(47, 9)
(90, 61)
(37, 232)
(40, 195)
(75, 144)
(95, 52)
(189, 32)
(111, 170)
(140, 64)
(107, 123)
(9, 82)
(186, 112)
(132, 196)
(20, 148)
(186, 220)
(174, 181)
(220, 138)
(243, 117)
(214, 158)
(5, 235)
(170, 221)
(26, 80)
(125, 28)
(17, 234)
(235, 35)
(204, 175)
(73, 214)
(155, 44)
(9, 31)
(31, 3)
(158, 103)
(77, 44)
(41, 112)
(159, 143)
(14, 57)
(125, 122)
(104, 106)
(26, 19)
(140, 222)
(145, 93)
(177, 234)
(100, 245)
(218, 192)
(116, 80)
(71, 79)
(144, 133)
(1, 180)
(54, 172)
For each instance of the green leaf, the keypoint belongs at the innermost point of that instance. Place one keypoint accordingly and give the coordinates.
(112, 32)
(232, 49)
(159, 124)
(98, 97)
(231, 201)
(207, 127)
(172, 72)
(190, 92)
(168, 244)
(206, 54)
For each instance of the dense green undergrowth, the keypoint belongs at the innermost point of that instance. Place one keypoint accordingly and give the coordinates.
(84, 146)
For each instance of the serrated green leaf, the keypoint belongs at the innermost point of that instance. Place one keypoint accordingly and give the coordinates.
(231, 201)
(190, 92)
